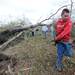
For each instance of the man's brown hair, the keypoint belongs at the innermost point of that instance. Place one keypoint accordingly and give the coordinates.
(65, 10)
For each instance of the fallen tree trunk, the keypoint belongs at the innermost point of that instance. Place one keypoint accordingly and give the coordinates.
(20, 30)
(7, 34)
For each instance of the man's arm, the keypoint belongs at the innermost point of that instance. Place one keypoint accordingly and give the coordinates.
(66, 30)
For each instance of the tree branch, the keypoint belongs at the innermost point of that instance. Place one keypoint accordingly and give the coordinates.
(55, 13)
(71, 7)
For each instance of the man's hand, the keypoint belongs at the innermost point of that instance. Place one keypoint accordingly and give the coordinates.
(70, 41)
(55, 38)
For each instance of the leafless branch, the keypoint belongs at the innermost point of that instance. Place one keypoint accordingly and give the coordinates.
(55, 13)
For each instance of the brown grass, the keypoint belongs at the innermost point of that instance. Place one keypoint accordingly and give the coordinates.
(38, 54)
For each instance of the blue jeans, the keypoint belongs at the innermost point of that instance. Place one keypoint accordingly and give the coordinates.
(63, 49)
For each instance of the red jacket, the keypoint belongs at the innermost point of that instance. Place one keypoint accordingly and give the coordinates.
(63, 30)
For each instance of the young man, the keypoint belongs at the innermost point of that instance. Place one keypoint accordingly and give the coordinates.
(62, 38)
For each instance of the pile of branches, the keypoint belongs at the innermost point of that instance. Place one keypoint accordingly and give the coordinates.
(7, 64)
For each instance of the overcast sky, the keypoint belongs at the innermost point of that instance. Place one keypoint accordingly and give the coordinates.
(32, 9)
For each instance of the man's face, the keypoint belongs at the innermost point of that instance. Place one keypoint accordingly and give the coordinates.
(65, 16)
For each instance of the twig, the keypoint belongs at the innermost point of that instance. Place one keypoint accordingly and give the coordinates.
(25, 69)
(9, 70)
